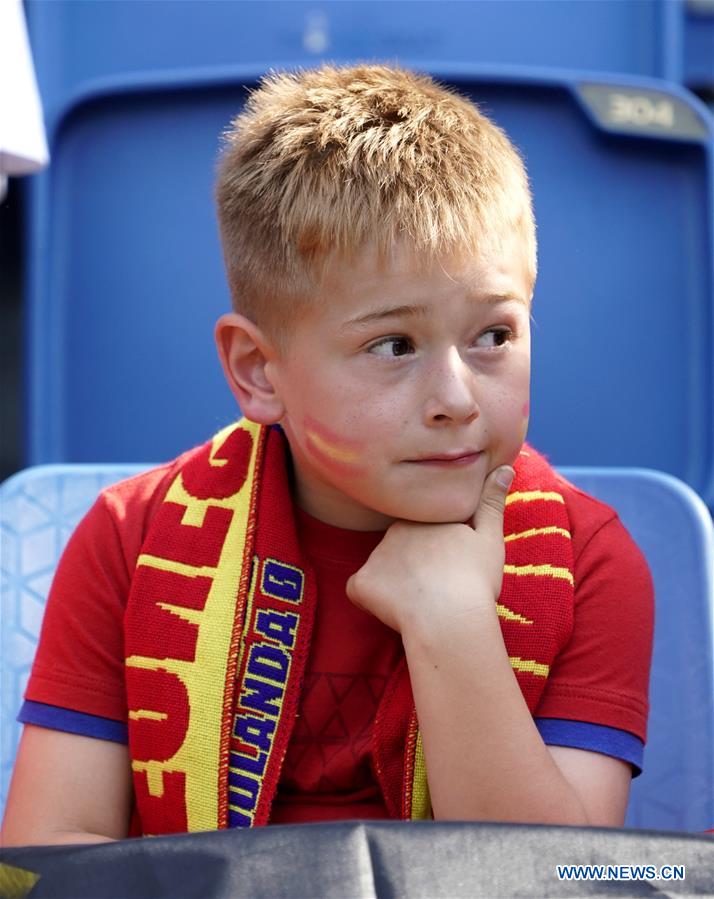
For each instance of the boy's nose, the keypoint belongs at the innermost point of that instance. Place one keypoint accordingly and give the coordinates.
(451, 394)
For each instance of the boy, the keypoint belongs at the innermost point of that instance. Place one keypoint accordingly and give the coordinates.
(309, 618)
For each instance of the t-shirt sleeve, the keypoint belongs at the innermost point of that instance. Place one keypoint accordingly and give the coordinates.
(79, 660)
(77, 679)
(596, 694)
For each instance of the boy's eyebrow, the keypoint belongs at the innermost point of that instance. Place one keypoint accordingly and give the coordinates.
(387, 312)
(416, 311)
(493, 299)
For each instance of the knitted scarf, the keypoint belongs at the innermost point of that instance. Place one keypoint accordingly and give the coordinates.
(217, 633)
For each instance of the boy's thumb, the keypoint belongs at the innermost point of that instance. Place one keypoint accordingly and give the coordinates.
(493, 495)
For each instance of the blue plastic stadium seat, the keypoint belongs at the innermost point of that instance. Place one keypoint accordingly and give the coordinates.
(75, 43)
(699, 44)
(673, 528)
(39, 509)
(41, 506)
(125, 271)
(126, 277)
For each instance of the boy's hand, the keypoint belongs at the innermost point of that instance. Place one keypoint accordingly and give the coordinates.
(422, 573)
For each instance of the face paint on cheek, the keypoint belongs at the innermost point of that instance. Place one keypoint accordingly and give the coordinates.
(524, 424)
(338, 454)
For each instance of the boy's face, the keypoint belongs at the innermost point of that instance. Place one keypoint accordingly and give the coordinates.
(395, 367)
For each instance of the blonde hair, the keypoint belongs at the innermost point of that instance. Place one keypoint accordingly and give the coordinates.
(334, 159)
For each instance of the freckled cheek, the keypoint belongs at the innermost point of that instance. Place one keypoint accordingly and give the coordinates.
(507, 415)
(338, 454)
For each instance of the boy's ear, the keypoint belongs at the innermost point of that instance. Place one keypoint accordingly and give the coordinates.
(244, 351)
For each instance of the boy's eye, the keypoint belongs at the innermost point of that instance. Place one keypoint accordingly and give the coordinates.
(390, 347)
(494, 338)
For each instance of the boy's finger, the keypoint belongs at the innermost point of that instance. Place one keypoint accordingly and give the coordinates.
(351, 590)
(493, 498)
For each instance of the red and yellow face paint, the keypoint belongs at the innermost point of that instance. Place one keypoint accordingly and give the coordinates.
(334, 452)
(525, 412)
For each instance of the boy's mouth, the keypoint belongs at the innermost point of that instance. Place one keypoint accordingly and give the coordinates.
(459, 458)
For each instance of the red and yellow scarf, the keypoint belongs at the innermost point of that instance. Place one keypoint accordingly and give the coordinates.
(217, 633)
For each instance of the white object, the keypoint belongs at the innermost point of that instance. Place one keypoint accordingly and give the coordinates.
(23, 145)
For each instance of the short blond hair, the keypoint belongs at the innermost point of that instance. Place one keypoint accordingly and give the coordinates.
(334, 159)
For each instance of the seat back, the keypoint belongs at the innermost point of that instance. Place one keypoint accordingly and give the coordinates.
(698, 45)
(126, 276)
(673, 528)
(75, 43)
(41, 506)
(39, 509)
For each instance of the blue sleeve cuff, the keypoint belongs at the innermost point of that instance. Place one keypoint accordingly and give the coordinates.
(619, 744)
(71, 722)
(554, 731)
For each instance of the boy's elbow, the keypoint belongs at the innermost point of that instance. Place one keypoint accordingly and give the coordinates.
(568, 816)
(82, 796)
(13, 836)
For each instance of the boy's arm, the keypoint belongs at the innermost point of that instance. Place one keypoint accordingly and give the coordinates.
(484, 755)
(67, 788)
(601, 781)
(438, 585)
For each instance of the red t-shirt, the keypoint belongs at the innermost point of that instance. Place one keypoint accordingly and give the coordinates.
(595, 697)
